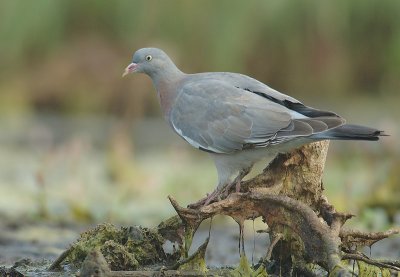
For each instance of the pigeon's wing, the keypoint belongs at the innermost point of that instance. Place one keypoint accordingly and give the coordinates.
(218, 117)
(254, 86)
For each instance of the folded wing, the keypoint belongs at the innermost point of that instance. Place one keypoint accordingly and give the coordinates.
(221, 117)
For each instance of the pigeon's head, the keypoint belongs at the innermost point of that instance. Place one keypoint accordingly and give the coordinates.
(151, 61)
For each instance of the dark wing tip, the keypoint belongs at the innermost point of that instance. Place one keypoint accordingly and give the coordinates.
(308, 111)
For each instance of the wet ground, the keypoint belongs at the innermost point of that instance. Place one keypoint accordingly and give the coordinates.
(57, 174)
(34, 245)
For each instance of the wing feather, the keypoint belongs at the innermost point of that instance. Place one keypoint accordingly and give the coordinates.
(217, 116)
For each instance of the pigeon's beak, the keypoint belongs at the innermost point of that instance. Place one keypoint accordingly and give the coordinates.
(129, 69)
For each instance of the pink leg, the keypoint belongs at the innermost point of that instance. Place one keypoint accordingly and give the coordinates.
(212, 197)
(237, 181)
(215, 195)
(219, 194)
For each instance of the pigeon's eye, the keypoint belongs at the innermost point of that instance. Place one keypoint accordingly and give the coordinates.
(148, 58)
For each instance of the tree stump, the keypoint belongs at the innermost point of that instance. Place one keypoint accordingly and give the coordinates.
(304, 229)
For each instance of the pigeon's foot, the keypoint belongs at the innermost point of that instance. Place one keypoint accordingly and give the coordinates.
(227, 190)
(215, 196)
(222, 193)
(237, 182)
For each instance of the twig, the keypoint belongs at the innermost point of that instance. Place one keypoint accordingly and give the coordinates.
(56, 264)
(272, 245)
(200, 251)
(361, 257)
(333, 218)
(360, 238)
(369, 236)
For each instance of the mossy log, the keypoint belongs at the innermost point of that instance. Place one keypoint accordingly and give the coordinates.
(304, 228)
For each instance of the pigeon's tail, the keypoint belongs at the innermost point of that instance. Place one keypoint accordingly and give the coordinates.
(350, 132)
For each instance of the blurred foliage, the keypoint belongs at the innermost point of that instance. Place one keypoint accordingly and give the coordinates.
(386, 195)
(67, 55)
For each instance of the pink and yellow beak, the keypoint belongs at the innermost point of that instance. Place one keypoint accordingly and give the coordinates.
(129, 69)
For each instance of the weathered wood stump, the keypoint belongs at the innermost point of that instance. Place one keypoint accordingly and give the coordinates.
(303, 227)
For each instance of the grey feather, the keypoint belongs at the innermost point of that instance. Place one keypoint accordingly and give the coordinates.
(237, 119)
(233, 119)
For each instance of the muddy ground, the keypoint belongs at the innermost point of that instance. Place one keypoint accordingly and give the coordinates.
(57, 169)
(34, 245)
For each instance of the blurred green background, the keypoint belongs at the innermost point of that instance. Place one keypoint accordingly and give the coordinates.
(79, 143)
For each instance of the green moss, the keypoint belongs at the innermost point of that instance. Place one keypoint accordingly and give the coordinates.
(91, 239)
(124, 249)
(244, 269)
(147, 246)
(366, 270)
(260, 272)
(338, 270)
(198, 264)
(197, 261)
(189, 233)
(118, 257)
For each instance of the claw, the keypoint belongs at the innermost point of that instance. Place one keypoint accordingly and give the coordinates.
(219, 193)
(237, 187)
(212, 197)
(209, 198)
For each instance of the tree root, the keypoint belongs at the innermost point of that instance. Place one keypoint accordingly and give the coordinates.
(277, 211)
(304, 228)
(271, 247)
(381, 264)
(351, 238)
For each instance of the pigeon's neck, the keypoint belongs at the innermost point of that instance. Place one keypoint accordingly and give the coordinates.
(168, 76)
(166, 84)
